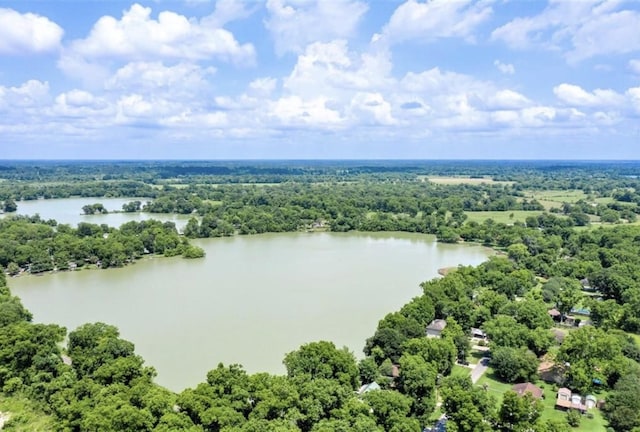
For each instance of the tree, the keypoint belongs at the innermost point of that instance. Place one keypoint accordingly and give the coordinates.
(519, 412)
(323, 360)
(10, 206)
(623, 404)
(567, 298)
(468, 408)
(389, 407)
(514, 364)
(418, 380)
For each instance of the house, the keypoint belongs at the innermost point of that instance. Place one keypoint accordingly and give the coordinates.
(567, 400)
(368, 387)
(563, 399)
(590, 401)
(434, 329)
(524, 388)
(551, 372)
(554, 314)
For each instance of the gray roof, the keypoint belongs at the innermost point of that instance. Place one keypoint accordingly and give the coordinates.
(438, 324)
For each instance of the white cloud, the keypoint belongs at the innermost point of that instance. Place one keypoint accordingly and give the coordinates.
(372, 108)
(27, 33)
(294, 24)
(32, 93)
(508, 99)
(580, 29)
(577, 96)
(137, 36)
(294, 111)
(435, 19)
(505, 68)
(182, 79)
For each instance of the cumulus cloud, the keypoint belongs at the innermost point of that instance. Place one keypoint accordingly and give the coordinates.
(505, 68)
(570, 27)
(32, 93)
(294, 24)
(136, 36)
(433, 19)
(27, 33)
(179, 79)
(576, 96)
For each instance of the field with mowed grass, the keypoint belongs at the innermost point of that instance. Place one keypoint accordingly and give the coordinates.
(506, 217)
(463, 180)
(555, 198)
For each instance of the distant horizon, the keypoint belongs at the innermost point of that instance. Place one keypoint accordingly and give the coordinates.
(325, 160)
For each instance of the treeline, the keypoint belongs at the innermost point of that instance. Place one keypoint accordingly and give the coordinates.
(35, 245)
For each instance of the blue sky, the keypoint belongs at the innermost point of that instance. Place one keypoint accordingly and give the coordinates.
(199, 79)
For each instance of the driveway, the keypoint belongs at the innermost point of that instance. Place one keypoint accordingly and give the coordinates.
(480, 369)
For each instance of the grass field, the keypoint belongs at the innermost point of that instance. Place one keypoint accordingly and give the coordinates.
(498, 388)
(23, 415)
(460, 371)
(462, 180)
(555, 198)
(501, 216)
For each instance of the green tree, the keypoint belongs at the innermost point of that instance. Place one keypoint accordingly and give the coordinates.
(519, 413)
(10, 206)
(323, 360)
(514, 364)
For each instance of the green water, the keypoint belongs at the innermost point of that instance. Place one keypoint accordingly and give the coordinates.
(250, 301)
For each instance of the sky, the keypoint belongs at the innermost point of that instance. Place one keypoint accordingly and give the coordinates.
(320, 79)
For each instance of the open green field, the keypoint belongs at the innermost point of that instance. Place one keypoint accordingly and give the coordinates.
(506, 217)
(23, 415)
(462, 180)
(555, 198)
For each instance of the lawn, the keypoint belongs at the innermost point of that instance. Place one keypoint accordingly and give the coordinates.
(506, 217)
(596, 424)
(460, 371)
(498, 388)
(24, 415)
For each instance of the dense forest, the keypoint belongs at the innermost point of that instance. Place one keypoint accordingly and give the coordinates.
(568, 243)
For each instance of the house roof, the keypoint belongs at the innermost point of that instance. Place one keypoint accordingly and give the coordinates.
(438, 324)
(554, 312)
(525, 388)
(564, 390)
(563, 403)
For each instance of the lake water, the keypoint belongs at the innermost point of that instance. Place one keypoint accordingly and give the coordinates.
(250, 301)
(69, 211)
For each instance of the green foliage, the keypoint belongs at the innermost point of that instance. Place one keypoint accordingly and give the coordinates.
(573, 418)
(519, 412)
(323, 360)
(514, 364)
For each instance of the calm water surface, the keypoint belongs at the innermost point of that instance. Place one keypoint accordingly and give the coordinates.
(69, 211)
(250, 301)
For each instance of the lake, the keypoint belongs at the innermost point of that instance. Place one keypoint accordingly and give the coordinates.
(251, 300)
(69, 211)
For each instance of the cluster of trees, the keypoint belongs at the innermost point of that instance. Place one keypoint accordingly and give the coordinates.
(29, 243)
(90, 209)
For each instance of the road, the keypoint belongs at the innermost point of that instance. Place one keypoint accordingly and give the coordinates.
(480, 369)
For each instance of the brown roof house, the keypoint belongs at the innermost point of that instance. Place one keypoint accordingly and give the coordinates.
(524, 388)
(435, 327)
